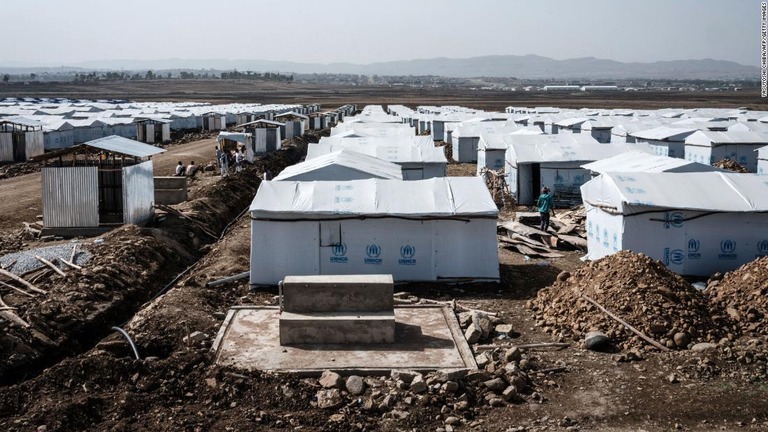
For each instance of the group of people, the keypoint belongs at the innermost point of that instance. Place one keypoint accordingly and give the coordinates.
(223, 160)
(188, 170)
(224, 157)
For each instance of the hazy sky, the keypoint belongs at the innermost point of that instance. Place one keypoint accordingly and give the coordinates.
(363, 31)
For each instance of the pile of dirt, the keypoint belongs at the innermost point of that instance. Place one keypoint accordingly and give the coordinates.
(18, 168)
(641, 291)
(743, 294)
(186, 136)
(730, 165)
(10, 243)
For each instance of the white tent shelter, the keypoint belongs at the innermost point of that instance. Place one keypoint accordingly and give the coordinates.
(341, 165)
(423, 230)
(417, 163)
(664, 140)
(695, 223)
(638, 161)
(534, 161)
(738, 146)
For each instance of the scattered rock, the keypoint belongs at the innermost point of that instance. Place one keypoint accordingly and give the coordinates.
(513, 354)
(597, 341)
(473, 333)
(355, 385)
(703, 346)
(496, 385)
(329, 398)
(404, 375)
(504, 329)
(418, 385)
(681, 339)
(330, 379)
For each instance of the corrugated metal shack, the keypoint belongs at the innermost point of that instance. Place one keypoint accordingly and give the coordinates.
(294, 124)
(20, 139)
(153, 130)
(101, 183)
(265, 135)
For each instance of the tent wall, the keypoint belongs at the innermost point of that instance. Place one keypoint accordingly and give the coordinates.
(762, 166)
(332, 173)
(70, 197)
(674, 149)
(691, 243)
(601, 135)
(58, 139)
(138, 193)
(493, 159)
(744, 154)
(422, 171)
(265, 139)
(409, 250)
(465, 149)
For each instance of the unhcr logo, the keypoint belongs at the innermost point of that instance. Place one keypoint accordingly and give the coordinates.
(605, 238)
(372, 252)
(673, 219)
(407, 253)
(673, 256)
(727, 249)
(339, 252)
(693, 249)
(762, 248)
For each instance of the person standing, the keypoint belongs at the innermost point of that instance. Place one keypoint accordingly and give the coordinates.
(218, 155)
(546, 206)
(224, 163)
(267, 175)
(180, 170)
(239, 158)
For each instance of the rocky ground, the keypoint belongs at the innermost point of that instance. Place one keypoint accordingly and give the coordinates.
(70, 372)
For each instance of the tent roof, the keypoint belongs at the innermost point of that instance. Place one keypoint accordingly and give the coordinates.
(349, 159)
(705, 191)
(19, 120)
(562, 148)
(638, 161)
(662, 133)
(390, 153)
(420, 199)
(730, 137)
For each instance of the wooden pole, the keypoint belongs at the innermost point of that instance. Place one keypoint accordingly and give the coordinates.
(50, 264)
(22, 281)
(16, 289)
(634, 330)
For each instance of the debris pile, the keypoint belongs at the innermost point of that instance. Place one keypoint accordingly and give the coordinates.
(18, 169)
(743, 295)
(730, 165)
(641, 291)
(567, 232)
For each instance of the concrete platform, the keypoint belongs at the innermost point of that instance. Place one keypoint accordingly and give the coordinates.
(337, 328)
(332, 293)
(426, 338)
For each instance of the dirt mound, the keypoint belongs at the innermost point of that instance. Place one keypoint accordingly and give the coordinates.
(18, 168)
(730, 165)
(638, 289)
(743, 294)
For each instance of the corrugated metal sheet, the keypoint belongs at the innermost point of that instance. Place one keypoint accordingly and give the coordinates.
(35, 143)
(6, 147)
(124, 146)
(70, 197)
(138, 193)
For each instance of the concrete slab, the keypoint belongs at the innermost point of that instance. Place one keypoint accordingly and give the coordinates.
(426, 338)
(337, 328)
(336, 293)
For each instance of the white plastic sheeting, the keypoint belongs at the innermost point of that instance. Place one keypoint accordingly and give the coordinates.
(738, 146)
(695, 223)
(341, 165)
(762, 160)
(425, 230)
(638, 161)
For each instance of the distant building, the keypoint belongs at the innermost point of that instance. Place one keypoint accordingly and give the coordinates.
(20, 139)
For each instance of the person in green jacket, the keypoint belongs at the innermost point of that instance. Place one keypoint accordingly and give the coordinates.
(546, 205)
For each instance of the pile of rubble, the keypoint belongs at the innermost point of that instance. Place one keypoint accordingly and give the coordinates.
(642, 292)
(567, 232)
(18, 169)
(730, 165)
(743, 294)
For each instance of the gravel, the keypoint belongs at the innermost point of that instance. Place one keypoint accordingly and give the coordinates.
(25, 261)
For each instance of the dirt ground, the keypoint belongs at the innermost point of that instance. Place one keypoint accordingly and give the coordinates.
(71, 372)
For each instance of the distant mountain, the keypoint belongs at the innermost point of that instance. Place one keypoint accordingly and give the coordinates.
(524, 67)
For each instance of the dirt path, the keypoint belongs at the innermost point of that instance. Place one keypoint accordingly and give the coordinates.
(21, 201)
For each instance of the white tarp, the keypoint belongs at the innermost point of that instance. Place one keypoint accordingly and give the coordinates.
(423, 230)
(695, 223)
(390, 153)
(762, 160)
(638, 161)
(442, 197)
(341, 165)
(403, 141)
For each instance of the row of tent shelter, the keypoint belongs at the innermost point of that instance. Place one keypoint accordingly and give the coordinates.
(692, 216)
(28, 128)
